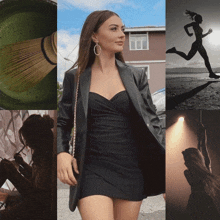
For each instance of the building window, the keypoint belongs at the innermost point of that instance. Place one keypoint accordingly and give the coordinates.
(138, 41)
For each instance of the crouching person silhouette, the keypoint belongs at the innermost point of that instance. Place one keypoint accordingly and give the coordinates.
(32, 182)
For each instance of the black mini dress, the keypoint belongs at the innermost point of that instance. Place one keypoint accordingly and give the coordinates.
(111, 165)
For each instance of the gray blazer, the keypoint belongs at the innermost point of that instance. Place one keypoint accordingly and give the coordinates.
(153, 151)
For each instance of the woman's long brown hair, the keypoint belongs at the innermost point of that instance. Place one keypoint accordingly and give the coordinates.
(37, 134)
(86, 55)
(192, 15)
(196, 165)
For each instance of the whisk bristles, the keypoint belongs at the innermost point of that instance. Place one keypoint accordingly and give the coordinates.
(25, 64)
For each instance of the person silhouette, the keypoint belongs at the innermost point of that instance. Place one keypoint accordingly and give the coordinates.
(197, 45)
(34, 183)
(204, 199)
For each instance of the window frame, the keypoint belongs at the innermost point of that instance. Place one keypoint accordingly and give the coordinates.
(143, 34)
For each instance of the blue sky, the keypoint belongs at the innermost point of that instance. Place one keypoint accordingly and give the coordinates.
(72, 14)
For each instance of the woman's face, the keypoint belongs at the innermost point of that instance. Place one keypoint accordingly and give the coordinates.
(110, 35)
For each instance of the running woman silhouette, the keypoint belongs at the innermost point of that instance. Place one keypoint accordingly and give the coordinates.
(197, 45)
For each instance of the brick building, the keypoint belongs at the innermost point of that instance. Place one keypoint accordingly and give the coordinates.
(145, 48)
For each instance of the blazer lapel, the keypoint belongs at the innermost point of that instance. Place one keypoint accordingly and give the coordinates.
(127, 79)
(130, 85)
(84, 85)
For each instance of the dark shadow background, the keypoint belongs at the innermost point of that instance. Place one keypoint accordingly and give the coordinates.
(179, 137)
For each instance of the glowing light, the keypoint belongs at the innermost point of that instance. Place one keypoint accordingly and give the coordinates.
(181, 119)
(214, 37)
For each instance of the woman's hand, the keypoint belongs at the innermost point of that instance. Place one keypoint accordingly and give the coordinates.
(65, 162)
(209, 31)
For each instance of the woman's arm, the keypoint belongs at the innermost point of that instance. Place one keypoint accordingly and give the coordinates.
(65, 161)
(65, 114)
(209, 32)
(186, 29)
(21, 183)
(202, 146)
(150, 108)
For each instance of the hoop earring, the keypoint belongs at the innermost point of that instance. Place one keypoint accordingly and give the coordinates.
(97, 45)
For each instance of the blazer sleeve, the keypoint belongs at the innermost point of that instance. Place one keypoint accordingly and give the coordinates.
(65, 114)
(150, 109)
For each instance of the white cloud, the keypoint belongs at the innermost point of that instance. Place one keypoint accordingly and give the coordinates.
(67, 47)
(88, 4)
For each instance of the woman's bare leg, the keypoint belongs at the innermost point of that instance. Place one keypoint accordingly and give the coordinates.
(96, 207)
(126, 210)
(189, 56)
(204, 55)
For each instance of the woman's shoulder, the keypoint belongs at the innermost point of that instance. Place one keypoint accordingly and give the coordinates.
(191, 24)
(136, 71)
(71, 72)
(194, 24)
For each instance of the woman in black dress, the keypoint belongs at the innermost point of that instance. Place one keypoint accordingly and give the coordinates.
(117, 129)
(204, 200)
(197, 45)
(32, 182)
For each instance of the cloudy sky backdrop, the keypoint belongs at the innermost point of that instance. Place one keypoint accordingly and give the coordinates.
(72, 14)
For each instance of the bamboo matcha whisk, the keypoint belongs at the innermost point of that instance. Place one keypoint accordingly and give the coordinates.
(25, 64)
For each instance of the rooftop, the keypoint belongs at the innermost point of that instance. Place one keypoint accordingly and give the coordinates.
(145, 28)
